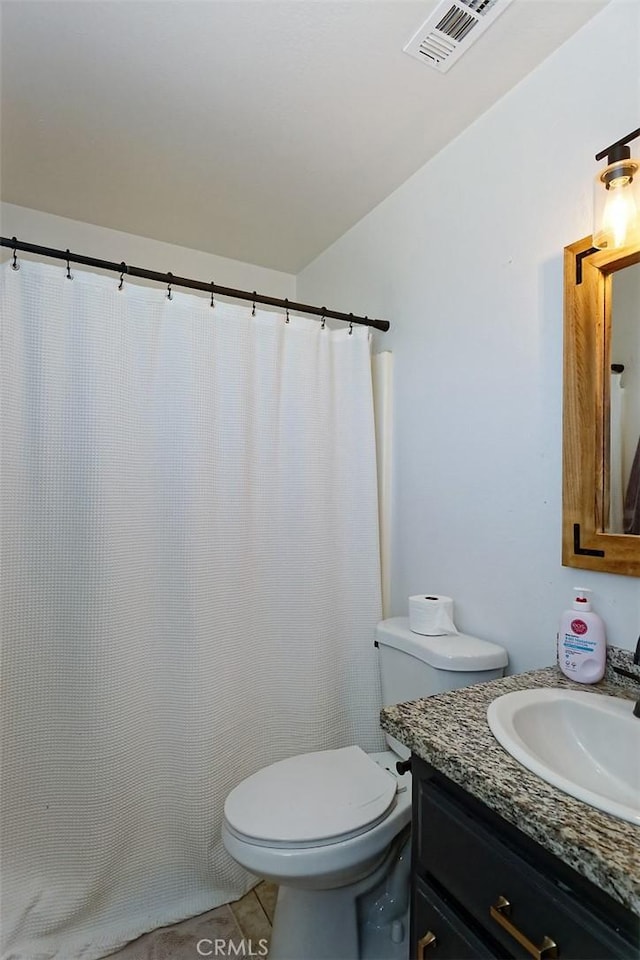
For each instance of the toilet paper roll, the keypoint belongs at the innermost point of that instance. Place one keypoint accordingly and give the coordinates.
(431, 615)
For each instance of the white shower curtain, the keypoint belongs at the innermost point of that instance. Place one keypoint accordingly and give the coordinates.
(190, 583)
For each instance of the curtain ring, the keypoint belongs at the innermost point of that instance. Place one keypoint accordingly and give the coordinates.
(212, 300)
(169, 294)
(351, 325)
(324, 319)
(253, 307)
(123, 269)
(69, 277)
(286, 306)
(15, 265)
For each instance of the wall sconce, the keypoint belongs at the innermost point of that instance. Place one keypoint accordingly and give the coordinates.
(616, 198)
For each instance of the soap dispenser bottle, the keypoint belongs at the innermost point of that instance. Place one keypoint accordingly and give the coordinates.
(582, 641)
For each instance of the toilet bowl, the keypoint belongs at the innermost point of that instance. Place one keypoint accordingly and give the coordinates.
(328, 828)
(331, 828)
(350, 805)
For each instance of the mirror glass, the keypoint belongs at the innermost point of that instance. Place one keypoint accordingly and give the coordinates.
(624, 407)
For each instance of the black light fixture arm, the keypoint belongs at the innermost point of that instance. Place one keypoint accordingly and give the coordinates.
(209, 288)
(618, 150)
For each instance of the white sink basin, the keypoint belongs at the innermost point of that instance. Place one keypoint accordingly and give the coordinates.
(586, 744)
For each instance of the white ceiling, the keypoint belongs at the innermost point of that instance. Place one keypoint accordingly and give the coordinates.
(255, 129)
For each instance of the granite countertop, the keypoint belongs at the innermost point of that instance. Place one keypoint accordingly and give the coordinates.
(450, 731)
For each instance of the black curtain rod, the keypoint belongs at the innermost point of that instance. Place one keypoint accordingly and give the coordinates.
(168, 278)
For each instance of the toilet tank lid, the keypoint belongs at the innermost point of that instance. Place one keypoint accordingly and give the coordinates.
(456, 651)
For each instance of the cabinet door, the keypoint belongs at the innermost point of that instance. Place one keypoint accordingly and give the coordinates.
(438, 933)
(516, 904)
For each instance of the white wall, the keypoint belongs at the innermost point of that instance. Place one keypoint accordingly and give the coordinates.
(34, 226)
(465, 259)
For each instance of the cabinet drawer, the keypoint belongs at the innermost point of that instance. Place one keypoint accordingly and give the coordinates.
(482, 872)
(438, 932)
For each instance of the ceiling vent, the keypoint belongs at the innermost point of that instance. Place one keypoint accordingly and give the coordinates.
(451, 29)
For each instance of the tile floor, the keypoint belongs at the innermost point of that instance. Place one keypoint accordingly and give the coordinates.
(248, 919)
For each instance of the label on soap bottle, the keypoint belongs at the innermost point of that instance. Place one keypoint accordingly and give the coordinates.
(580, 655)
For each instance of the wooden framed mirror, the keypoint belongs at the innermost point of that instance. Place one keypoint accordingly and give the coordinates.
(601, 446)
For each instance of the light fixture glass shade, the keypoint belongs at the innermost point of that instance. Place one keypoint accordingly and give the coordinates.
(616, 205)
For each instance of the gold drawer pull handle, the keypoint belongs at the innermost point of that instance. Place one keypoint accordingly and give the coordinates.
(429, 940)
(500, 913)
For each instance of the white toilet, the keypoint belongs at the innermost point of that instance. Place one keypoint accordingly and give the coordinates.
(332, 828)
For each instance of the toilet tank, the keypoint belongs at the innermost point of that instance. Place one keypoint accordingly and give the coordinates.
(414, 666)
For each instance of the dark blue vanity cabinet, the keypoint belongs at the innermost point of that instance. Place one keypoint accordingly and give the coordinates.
(481, 888)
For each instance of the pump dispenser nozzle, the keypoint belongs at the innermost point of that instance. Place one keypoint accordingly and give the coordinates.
(582, 598)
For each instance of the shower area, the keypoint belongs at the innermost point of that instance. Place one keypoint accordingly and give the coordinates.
(190, 583)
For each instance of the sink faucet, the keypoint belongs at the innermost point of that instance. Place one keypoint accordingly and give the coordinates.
(631, 676)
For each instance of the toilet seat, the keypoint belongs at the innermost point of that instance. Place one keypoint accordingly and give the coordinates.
(313, 799)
